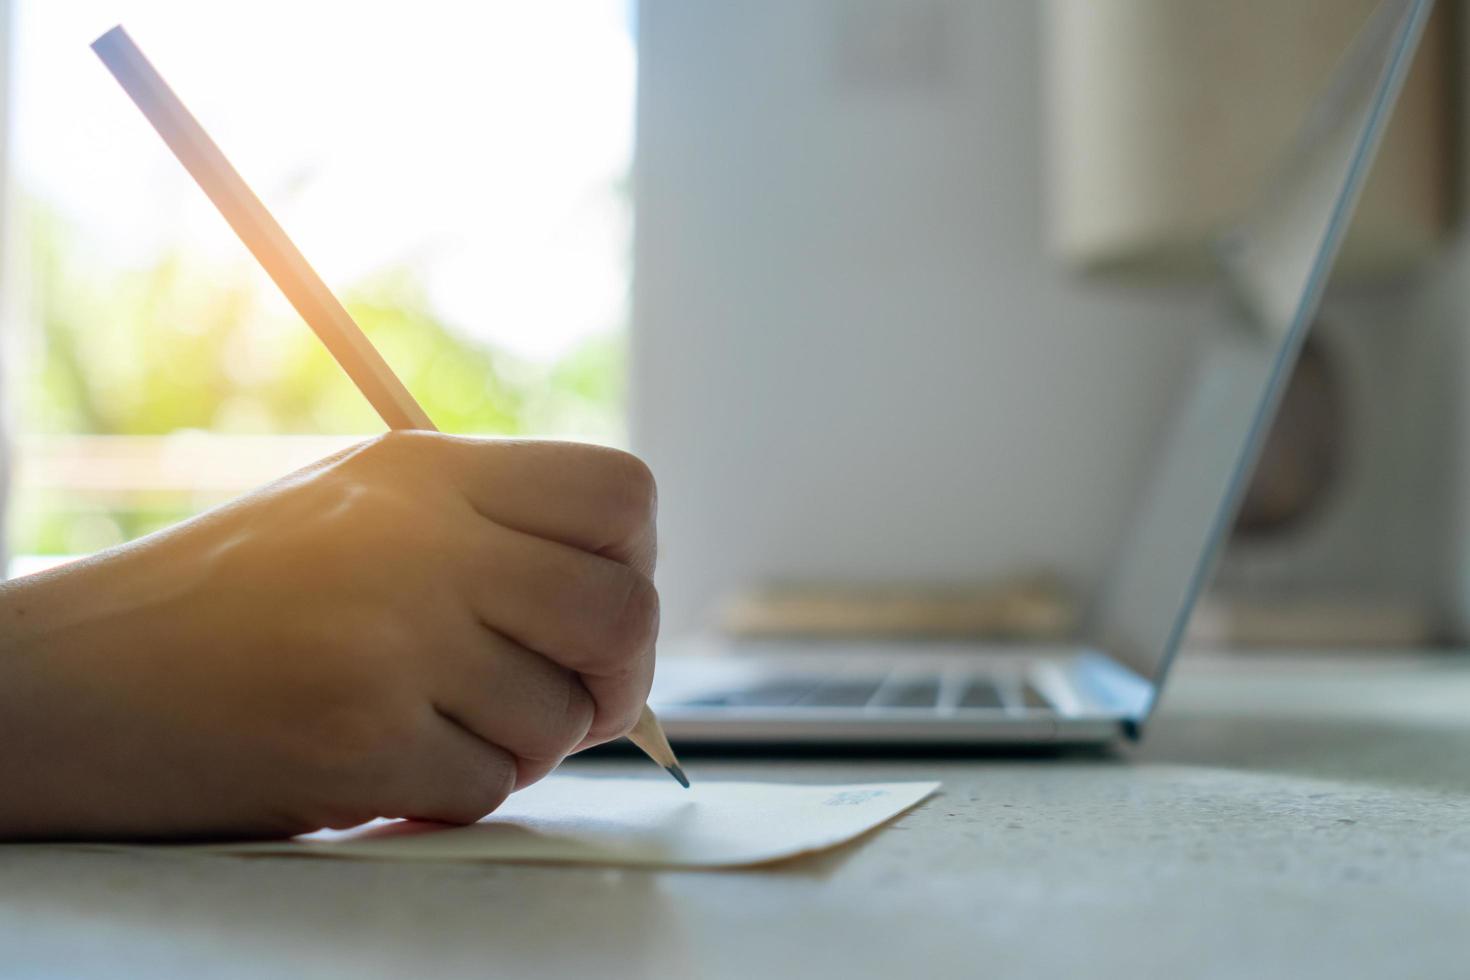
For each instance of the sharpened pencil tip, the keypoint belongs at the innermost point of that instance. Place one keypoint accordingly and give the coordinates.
(678, 773)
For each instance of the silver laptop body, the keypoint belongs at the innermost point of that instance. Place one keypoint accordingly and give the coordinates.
(1275, 263)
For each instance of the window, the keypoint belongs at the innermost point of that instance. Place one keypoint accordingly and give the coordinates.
(456, 172)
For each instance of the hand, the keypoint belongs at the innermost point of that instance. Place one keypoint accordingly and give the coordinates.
(415, 627)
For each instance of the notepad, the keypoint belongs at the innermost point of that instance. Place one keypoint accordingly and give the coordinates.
(629, 822)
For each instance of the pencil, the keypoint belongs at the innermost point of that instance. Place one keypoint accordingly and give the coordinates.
(285, 264)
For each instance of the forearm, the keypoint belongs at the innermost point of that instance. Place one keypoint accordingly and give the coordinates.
(72, 641)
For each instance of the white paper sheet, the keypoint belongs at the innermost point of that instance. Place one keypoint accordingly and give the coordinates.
(581, 820)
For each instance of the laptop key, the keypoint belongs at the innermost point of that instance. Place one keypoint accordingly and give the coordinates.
(769, 694)
(1032, 698)
(773, 694)
(923, 693)
(706, 701)
(981, 693)
(842, 694)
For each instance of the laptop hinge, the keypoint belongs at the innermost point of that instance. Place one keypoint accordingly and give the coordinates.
(1114, 688)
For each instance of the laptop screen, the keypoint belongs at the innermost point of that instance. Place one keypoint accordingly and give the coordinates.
(1275, 261)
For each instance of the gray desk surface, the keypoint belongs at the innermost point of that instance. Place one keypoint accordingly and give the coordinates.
(1301, 818)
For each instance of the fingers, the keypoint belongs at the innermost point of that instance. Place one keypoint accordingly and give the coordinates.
(588, 614)
(589, 497)
(518, 700)
(561, 563)
(448, 775)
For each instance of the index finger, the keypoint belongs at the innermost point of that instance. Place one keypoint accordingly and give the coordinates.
(590, 497)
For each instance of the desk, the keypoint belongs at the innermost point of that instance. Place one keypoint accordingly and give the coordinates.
(1292, 819)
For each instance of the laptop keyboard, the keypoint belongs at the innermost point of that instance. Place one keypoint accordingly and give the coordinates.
(978, 692)
(841, 694)
(981, 693)
(923, 693)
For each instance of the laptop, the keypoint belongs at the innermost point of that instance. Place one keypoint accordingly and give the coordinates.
(1275, 262)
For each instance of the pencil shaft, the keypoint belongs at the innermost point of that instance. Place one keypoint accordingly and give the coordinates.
(260, 232)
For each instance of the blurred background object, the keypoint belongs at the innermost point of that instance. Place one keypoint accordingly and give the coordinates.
(1163, 118)
(1029, 608)
(912, 285)
(915, 281)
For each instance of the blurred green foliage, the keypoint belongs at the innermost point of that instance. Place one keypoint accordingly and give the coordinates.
(186, 345)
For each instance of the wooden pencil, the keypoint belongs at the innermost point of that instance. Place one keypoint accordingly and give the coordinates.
(285, 264)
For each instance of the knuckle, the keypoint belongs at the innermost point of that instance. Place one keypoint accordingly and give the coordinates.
(531, 772)
(397, 444)
(625, 720)
(568, 722)
(579, 714)
(633, 487)
(489, 788)
(393, 458)
(636, 618)
(616, 720)
(620, 699)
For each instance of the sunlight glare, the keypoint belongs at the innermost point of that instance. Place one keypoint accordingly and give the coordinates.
(483, 145)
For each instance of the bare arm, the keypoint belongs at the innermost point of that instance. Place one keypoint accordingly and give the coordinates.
(415, 627)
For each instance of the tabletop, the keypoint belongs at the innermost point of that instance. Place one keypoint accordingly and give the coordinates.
(1285, 816)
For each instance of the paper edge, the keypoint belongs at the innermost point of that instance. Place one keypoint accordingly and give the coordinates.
(321, 850)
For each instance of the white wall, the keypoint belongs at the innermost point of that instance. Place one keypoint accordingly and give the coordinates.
(851, 356)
